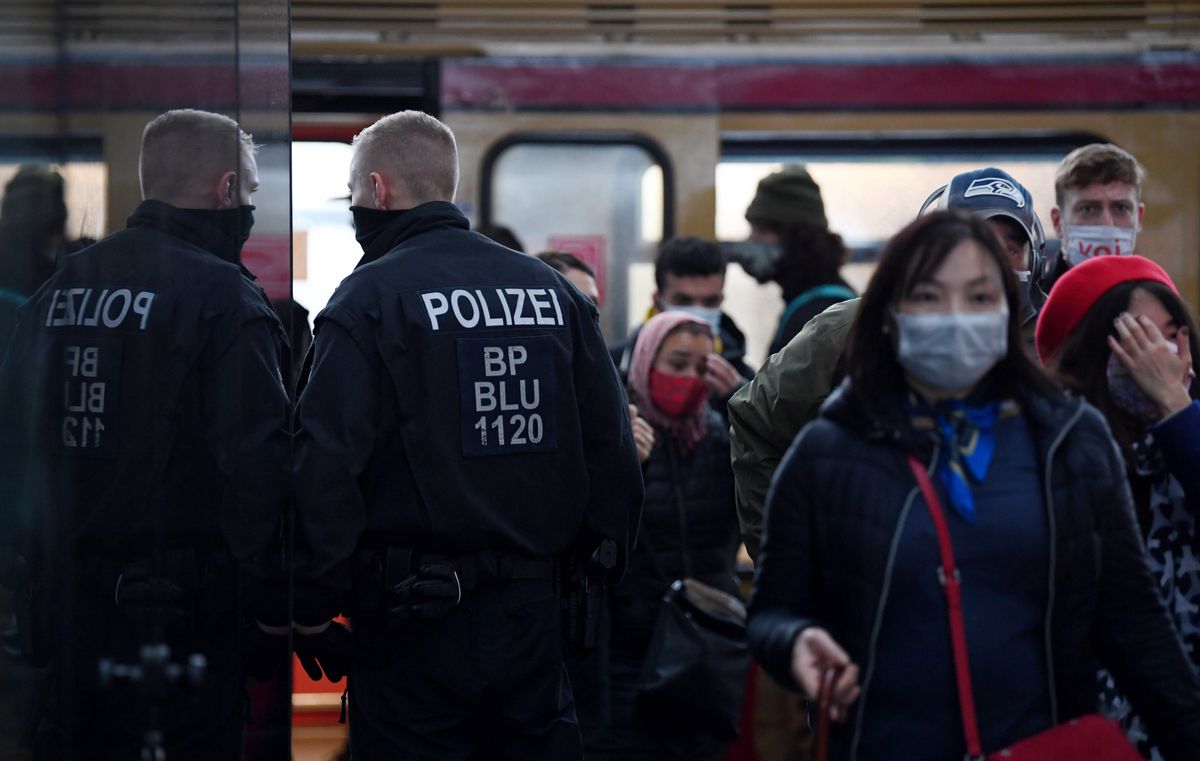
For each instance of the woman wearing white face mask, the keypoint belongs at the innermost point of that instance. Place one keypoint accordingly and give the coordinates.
(1117, 333)
(1038, 519)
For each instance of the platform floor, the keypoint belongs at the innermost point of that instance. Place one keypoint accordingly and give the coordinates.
(317, 743)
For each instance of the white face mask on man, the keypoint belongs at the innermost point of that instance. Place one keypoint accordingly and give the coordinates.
(1083, 242)
(951, 351)
(711, 315)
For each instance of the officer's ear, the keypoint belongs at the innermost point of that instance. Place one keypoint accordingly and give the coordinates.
(379, 190)
(227, 191)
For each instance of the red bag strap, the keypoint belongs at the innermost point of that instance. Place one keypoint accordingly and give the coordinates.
(824, 709)
(951, 582)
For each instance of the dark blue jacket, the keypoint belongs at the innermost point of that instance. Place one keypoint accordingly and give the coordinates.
(1179, 440)
(837, 504)
(460, 399)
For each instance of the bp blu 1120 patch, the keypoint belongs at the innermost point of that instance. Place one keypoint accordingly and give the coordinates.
(87, 372)
(506, 389)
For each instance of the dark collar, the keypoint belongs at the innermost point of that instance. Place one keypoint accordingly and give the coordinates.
(198, 227)
(379, 232)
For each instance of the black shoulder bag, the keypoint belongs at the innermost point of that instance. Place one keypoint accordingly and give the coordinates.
(694, 674)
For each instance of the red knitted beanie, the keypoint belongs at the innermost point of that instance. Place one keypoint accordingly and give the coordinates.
(1080, 287)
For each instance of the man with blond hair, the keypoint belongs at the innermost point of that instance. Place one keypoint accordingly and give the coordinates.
(462, 429)
(143, 462)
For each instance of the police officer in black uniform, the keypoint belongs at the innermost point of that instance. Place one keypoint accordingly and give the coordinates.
(144, 462)
(462, 427)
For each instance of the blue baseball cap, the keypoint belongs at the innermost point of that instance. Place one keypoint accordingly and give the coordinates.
(992, 192)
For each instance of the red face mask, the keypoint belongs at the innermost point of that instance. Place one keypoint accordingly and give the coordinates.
(676, 395)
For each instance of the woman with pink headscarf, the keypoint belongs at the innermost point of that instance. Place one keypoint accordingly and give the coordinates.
(689, 529)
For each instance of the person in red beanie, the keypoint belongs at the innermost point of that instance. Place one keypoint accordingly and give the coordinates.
(1115, 331)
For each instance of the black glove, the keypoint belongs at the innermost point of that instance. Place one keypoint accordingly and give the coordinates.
(149, 599)
(429, 594)
(263, 653)
(326, 653)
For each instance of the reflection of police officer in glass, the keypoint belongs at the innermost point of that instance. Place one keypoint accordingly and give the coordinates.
(462, 426)
(147, 456)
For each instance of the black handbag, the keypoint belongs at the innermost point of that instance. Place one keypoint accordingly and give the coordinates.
(694, 673)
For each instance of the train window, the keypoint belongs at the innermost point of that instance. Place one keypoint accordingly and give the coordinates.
(868, 200)
(604, 197)
(870, 191)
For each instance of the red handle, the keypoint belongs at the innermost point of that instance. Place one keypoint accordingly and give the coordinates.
(824, 709)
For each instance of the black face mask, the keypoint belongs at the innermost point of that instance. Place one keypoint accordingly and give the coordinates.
(369, 223)
(238, 223)
(226, 230)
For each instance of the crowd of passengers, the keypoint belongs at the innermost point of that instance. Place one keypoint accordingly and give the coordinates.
(1049, 392)
(1045, 387)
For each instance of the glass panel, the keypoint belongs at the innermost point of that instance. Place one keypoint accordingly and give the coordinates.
(607, 203)
(143, 441)
(867, 199)
(263, 101)
(324, 253)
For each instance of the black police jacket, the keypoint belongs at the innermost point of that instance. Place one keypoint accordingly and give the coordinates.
(836, 508)
(143, 403)
(460, 399)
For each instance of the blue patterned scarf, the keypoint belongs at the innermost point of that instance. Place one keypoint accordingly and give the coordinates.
(967, 434)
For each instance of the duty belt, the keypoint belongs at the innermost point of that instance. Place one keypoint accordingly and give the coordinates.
(378, 570)
(473, 570)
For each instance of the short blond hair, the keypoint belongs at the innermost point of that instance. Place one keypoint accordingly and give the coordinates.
(415, 150)
(1097, 162)
(182, 150)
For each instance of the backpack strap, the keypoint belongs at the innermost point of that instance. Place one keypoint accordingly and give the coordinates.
(827, 291)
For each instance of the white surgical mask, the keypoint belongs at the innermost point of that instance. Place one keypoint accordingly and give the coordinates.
(951, 351)
(711, 315)
(1089, 241)
(1023, 276)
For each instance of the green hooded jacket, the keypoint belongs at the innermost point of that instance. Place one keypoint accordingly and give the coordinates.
(767, 413)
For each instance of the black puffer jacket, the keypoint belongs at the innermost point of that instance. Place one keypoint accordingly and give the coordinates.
(703, 479)
(838, 501)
